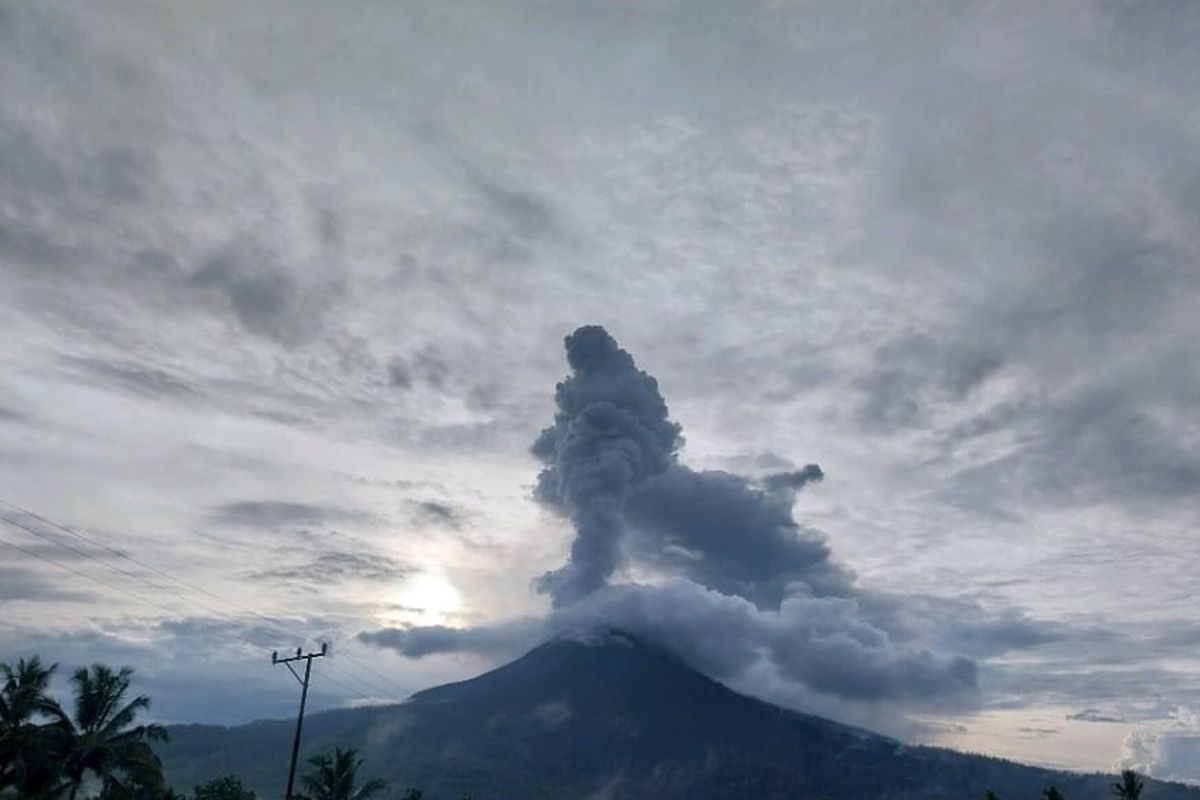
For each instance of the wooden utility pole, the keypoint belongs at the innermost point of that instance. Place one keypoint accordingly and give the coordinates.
(307, 658)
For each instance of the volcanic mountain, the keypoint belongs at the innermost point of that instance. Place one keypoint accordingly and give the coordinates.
(607, 715)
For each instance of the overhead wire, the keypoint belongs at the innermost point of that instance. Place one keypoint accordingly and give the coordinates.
(374, 688)
(387, 682)
(140, 599)
(199, 589)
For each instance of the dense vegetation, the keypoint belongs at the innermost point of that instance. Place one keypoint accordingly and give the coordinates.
(98, 750)
(95, 747)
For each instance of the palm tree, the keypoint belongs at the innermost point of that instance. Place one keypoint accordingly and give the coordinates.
(27, 749)
(104, 740)
(334, 779)
(1129, 787)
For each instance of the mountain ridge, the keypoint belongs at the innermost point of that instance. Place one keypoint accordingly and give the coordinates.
(605, 713)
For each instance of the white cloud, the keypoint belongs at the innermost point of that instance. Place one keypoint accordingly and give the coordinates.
(1167, 750)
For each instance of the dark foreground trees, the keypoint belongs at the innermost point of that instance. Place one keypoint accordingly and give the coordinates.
(98, 749)
(48, 753)
(32, 729)
(226, 788)
(1129, 787)
(336, 778)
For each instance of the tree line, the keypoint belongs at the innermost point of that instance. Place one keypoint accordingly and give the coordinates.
(97, 749)
(1128, 788)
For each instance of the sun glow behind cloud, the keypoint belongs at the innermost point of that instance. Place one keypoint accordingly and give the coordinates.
(426, 599)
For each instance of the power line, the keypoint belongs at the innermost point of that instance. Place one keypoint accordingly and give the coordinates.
(273, 623)
(140, 599)
(209, 609)
(287, 662)
(379, 691)
(387, 682)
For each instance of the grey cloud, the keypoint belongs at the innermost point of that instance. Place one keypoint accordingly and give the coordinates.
(503, 639)
(426, 366)
(334, 567)
(528, 214)
(26, 244)
(465, 437)
(1037, 733)
(25, 165)
(27, 585)
(484, 397)
(822, 645)
(116, 175)
(263, 297)
(279, 513)
(131, 376)
(962, 625)
(1094, 715)
(12, 415)
(913, 371)
(1091, 444)
(435, 513)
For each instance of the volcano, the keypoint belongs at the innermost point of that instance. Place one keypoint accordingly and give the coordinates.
(605, 714)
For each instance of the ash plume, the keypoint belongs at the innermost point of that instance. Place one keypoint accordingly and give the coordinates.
(611, 432)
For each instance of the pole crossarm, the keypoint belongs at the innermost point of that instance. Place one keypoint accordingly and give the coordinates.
(307, 658)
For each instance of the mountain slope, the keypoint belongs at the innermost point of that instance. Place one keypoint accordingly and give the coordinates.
(612, 717)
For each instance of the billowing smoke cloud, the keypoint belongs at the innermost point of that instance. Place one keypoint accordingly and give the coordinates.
(745, 589)
(1168, 750)
(610, 466)
(719, 530)
(427, 640)
(825, 644)
(610, 433)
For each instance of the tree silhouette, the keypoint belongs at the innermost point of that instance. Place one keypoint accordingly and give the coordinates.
(335, 778)
(29, 757)
(227, 788)
(1129, 787)
(1052, 793)
(103, 738)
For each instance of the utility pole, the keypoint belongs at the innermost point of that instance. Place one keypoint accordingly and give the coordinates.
(307, 658)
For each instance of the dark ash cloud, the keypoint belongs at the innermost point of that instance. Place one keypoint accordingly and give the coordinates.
(750, 587)
(793, 481)
(611, 432)
(717, 529)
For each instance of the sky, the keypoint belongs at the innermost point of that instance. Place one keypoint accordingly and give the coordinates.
(797, 335)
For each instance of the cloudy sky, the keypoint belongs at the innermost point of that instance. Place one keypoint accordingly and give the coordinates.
(285, 289)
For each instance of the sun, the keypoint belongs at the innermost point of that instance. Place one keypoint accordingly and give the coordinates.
(430, 597)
